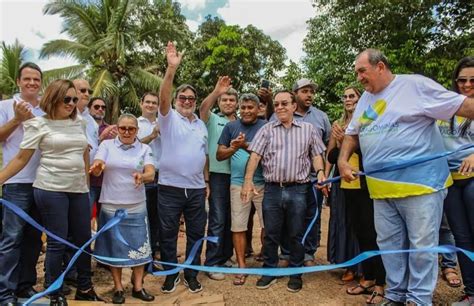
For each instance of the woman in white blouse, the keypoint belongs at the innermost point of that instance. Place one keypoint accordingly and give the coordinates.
(60, 187)
(127, 164)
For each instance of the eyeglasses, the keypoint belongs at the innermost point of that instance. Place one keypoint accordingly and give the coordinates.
(130, 129)
(84, 90)
(282, 104)
(68, 99)
(184, 98)
(97, 106)
(349, 96)
(463, 81)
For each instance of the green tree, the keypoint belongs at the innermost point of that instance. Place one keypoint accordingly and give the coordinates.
(245, 54)
(426, 37)
(12, 57)
(111, 39)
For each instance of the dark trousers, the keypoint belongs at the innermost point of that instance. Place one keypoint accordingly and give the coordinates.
(219, 220)
(151, 190)
(284, 205)
(172, 202)
(459, 209)
(313, 238)
(360, 215)
(20, 243)
(66, 214)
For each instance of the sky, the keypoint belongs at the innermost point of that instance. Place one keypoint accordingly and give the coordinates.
(282, 20)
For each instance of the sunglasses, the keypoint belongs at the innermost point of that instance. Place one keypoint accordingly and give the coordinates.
(84, 90)
(68, 99)
(184, 98)
(97, 107)
(349, 96)
(130, 129)
(465, 80)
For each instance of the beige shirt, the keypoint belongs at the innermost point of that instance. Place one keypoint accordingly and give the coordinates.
(62, 144)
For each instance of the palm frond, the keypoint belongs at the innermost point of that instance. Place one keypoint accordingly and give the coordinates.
(144, 79)
(63, 47)
(70, 73)
(12, 58)
(104, 84)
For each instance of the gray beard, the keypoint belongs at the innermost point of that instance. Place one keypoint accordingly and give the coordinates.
(98, 117)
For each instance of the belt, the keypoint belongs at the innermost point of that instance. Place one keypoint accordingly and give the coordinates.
(286, 184)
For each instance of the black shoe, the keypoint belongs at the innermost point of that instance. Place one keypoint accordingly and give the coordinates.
(71, 282)
(118, 298)
(57, 300)
(143, 295)
(266, 281)
(88, 295)
(193, 284)
(12, 302)
(170, 284)
(26, 293)
(294, 284)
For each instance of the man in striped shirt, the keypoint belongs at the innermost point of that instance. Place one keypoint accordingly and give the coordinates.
(287, 148)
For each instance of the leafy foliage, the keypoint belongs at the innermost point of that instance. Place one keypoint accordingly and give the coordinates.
(12, 58)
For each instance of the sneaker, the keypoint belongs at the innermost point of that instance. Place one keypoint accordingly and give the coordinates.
(294, 284)
(88, 295)
(170, 284)
(57, 300)
(216, 275)
(118, 297)
(266, 281)
(193, 284)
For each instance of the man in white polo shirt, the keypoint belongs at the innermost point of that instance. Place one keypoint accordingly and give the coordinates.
(182, 187)
(149, 133)
(20, 243)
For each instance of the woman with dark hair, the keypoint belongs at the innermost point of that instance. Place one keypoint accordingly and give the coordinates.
(60, 188)
(342, 244)
(459, 203)
(359, 209)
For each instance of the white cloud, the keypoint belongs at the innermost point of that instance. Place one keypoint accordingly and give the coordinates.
(24, 20)
(193, 24)
(283, 20)
(193, 4)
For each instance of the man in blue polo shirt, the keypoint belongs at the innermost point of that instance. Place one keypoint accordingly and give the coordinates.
(182, 185)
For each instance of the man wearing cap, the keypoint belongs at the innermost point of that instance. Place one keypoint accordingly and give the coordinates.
(287, 149)
(182, 184)
(218, 254)
(304, 91)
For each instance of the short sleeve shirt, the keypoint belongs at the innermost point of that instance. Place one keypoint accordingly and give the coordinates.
(121, 162)
(238, 161)
(184, 150)
(399, 124)
(62, 144)
(145, 128)
(92, 133)
(11, 145)
(215, 125)
(319, 120)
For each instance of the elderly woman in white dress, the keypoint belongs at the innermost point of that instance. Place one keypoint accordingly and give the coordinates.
(126, 164)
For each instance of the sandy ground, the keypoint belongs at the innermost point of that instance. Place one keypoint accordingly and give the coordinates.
(319, 288)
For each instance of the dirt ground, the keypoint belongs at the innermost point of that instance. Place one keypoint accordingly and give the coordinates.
(319, 288)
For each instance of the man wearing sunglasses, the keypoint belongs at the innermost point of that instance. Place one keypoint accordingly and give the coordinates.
(20, 243)
(182, 184)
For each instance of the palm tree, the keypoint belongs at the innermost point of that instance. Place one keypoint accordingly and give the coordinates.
(12, 57)
(104, 33)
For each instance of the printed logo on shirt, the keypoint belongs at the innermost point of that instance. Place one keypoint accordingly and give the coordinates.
(373, 112)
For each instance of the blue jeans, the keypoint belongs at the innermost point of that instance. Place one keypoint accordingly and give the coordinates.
(151, 190)
(219, 220)
(66, 214)
(459, 209)
(284, 205)
(312, 241)
(410, 223)
(172, 202)
(448, 260)
(20, 243)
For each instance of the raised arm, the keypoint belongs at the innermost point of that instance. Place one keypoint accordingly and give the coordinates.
(173, 58)
(222, 86)
(22, 113)
(16, 164)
